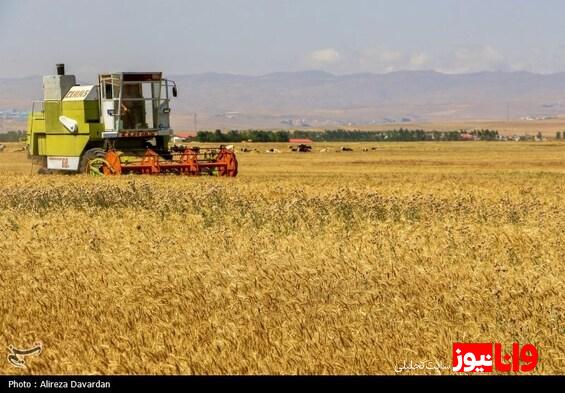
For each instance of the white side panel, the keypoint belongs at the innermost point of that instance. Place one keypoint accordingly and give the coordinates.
(63, 163)
(108, 105)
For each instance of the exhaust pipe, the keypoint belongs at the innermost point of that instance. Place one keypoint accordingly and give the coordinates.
(60, 69)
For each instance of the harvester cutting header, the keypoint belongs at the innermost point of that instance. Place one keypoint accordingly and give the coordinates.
(119, 126)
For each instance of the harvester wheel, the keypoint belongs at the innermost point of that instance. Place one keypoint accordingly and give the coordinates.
(44, 171)
(92, 162)
(42, 161)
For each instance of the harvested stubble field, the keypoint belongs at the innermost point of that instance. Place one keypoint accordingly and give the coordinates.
(313, 263)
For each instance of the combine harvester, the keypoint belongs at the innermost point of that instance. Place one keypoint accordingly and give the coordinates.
(119, 126)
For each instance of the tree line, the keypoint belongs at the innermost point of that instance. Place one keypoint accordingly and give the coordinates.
(12, 136)
(340, 135)
(400, 135)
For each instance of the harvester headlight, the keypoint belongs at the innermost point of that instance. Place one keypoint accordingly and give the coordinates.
(166, 110)
(70, 125)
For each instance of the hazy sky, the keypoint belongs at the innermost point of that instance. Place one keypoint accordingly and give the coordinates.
(262, 36)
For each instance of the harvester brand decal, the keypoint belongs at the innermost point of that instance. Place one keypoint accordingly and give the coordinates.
(80, 93)
(77, 93)
(133, 134)
(63, 163)
(16, 356)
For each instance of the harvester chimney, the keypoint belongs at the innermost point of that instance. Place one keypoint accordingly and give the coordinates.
(60, 69)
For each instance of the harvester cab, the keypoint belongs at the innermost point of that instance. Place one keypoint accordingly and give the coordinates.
(119, 126)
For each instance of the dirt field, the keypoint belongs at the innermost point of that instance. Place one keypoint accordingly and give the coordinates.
(306, 263)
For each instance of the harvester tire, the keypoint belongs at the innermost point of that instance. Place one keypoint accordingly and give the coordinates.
(44, 171)
(42, 162)
(88, 157)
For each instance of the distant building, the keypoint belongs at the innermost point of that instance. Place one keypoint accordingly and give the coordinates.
(466, 137)
(180, 137)
(297, 140)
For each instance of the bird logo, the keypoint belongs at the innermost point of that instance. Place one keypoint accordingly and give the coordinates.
(16, 356)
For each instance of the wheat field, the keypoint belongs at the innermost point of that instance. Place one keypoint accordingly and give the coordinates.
(306, 263)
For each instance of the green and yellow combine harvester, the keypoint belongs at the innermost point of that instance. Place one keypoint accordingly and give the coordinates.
(118, 126)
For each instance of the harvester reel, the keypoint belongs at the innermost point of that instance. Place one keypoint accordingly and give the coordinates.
(228, 158)
(191, 162)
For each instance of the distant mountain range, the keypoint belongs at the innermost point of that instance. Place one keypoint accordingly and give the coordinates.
(319, 99)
